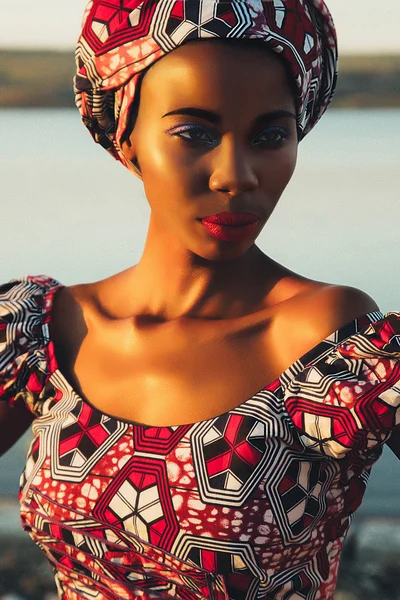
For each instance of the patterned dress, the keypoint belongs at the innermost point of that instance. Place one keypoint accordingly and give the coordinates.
(254, 503)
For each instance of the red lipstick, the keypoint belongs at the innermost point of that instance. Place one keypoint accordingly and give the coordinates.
(232, 227)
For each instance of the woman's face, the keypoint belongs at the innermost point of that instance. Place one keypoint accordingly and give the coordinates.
(215, 132)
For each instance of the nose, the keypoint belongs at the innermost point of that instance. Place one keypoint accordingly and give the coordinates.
(232, 169)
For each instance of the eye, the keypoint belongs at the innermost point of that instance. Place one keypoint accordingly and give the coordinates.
(193, 134)
(272, 137)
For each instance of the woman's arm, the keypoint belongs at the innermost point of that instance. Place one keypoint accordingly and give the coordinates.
(394, 443)
(14, 421)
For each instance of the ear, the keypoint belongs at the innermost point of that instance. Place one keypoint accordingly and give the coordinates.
(129, 150)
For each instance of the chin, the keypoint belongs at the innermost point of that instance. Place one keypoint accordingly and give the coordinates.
(223, 251)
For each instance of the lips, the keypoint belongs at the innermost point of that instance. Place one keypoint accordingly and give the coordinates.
(232, 219)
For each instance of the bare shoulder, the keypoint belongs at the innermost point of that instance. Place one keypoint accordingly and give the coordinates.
(328, 307)
(333, 306)
(84, 307)
(68, 322)
(317, 311)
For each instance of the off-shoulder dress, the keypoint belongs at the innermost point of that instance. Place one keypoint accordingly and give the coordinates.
(254, 503)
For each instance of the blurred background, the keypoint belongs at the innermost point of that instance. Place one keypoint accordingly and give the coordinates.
(71, 212)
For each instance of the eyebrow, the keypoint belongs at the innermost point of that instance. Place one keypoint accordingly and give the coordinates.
(216, 119)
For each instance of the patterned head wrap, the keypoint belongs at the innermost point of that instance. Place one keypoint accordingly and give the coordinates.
(121, 38)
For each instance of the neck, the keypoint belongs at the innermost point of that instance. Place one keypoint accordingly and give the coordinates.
(176, 283)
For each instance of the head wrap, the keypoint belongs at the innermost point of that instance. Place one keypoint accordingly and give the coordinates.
(121, 38)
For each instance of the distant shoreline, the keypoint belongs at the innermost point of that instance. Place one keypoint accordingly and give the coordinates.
(43, 78)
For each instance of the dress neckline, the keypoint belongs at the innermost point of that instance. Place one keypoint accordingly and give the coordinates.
(309, 357)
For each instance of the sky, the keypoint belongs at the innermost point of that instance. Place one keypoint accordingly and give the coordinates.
(364, 26)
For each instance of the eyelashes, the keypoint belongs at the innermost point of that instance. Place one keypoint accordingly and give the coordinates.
(191, 129)
(275, 135)
(195, 134)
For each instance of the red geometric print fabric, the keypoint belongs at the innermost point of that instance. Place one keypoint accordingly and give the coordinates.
(251, 504)
(121, 38)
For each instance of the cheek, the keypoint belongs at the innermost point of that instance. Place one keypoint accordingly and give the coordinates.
(168, 169)
(290, 162)
(278, 170)
(154, 159)
(165, 179)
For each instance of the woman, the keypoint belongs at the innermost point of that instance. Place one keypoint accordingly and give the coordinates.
(204, 421)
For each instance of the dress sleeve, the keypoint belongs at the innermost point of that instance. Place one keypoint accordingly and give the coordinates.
(23, 339)
(350, 399)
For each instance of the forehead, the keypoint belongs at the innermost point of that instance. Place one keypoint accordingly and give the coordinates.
(219, 72)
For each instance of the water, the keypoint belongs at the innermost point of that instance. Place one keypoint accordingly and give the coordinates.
(75, 213)
(71, 212)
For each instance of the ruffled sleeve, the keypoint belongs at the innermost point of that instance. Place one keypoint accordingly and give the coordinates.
(349, 400)
(24, 336)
